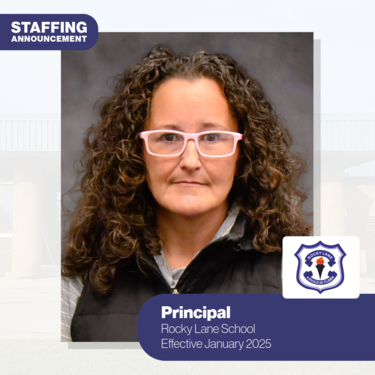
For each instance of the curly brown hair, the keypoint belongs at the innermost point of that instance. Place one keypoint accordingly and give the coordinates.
(115, 217)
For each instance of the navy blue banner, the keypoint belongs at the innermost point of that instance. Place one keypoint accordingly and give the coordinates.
(47, 32)
(257, 327)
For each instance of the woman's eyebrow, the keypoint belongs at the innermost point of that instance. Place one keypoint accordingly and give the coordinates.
(204, 126)
(168, 127)
(212, 125)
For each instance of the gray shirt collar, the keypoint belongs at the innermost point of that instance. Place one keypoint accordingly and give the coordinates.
(172, 276)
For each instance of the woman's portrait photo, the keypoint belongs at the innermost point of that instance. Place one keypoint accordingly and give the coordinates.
(186, 159)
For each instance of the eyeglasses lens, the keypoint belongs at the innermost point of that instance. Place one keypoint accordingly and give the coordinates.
(212, 144)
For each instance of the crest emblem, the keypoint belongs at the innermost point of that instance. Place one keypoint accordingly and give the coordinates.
(320, 266)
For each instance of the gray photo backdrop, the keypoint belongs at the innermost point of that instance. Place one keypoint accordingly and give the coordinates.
(281, 62)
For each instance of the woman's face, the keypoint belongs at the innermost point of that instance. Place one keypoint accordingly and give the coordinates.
(190, 184)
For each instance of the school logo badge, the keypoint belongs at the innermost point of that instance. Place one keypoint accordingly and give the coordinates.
(320, 266)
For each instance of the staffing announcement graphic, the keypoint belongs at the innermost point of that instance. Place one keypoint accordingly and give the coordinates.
(320, 266)
(57, 32)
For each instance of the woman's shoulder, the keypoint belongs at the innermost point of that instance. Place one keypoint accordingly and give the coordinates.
(71, 289)
(71, 286)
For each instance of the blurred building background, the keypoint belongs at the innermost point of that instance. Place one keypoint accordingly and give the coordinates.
(346, 190)
(30, 195)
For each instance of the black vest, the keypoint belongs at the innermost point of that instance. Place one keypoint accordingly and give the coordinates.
(228, 265)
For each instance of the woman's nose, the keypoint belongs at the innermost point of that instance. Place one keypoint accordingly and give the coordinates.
(190, 158)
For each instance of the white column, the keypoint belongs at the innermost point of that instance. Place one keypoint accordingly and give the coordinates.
(332, 211)
(27, 221)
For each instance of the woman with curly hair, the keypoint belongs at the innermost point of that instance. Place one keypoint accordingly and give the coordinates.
(189, 187)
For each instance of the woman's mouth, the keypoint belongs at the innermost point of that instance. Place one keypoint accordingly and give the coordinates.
(189, 183)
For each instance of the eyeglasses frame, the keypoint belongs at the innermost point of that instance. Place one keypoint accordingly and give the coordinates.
(187, 136)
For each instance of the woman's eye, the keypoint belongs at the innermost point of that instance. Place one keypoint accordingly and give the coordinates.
(169, 137)
(211, 137)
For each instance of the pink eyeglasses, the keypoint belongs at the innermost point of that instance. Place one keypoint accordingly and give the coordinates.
(214, 144)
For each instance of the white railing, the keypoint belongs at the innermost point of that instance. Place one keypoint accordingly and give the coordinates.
(30, 132)
(347, 132)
